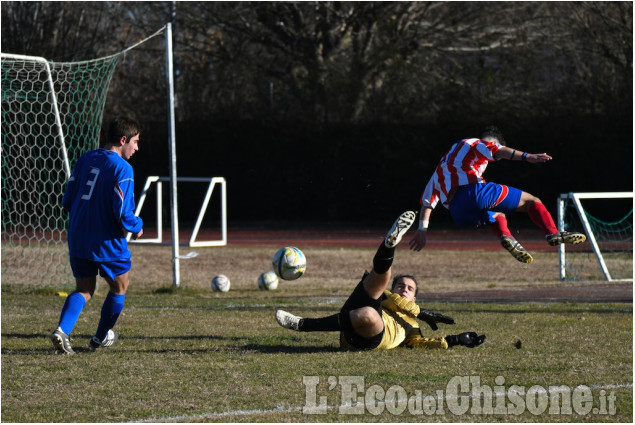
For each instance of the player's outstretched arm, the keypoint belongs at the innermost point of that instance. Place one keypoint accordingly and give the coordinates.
(512, 154)
(420, 238)
(535, 158)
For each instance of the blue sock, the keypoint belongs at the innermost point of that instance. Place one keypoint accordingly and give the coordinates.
(113, 304)
(73, 307)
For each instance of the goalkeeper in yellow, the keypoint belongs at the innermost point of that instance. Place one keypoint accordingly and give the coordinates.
(375, 318)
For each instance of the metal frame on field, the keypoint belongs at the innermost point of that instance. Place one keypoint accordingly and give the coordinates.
(53, 96)
(587, 227)
(213, 181)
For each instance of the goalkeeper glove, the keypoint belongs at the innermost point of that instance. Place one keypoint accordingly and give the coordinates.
(466, 339)
(432, 318)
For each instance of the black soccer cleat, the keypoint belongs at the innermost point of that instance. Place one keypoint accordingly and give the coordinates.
(516, 249)
(565, 237)
(61, 342)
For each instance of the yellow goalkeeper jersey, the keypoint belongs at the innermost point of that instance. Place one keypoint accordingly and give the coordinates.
(402, 330)
(400, 326)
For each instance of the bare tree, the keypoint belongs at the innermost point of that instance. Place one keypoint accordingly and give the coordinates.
(59, 31)
(343, 62)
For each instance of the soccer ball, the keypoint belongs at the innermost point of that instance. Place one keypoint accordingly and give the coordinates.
(268, 281)
(221, 283)
(289, 263)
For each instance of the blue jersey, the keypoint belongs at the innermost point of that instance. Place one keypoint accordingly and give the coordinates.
(100, 200)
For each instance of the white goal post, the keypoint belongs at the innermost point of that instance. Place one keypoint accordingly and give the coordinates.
(51, 114)
(212, 182)
(592, 228)
(52, 98)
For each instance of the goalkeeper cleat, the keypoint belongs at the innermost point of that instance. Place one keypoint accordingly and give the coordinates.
(565, 237)
(288, 320)
(62, 342)
(516, 249)
(399, 228)
(95, 344)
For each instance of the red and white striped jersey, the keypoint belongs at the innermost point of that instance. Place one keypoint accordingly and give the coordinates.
(464, 163)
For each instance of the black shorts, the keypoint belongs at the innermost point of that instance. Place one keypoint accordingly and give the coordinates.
(359, 298)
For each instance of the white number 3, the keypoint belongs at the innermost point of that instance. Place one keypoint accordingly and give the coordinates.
(91, 183)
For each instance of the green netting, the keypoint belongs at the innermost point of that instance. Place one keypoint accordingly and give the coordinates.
(33, 170)
(614, 239)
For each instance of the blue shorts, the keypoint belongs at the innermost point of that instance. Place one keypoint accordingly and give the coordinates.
(475, 204)
(88, 268)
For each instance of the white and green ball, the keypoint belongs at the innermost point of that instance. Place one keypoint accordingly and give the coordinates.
(268, 281)
(220, 283)
(289, 263)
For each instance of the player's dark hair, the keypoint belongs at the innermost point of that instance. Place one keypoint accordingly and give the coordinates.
(399, 277)
(492, 132)
(122, 126)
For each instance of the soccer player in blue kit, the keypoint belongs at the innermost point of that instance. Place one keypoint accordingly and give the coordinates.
(100, 200)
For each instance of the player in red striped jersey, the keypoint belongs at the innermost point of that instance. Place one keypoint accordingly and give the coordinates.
(459, 185)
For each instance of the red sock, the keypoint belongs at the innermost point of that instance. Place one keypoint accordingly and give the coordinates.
(539, 215)
(500, 227)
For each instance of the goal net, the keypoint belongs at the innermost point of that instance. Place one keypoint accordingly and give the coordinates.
(51, 114)
(608, 253)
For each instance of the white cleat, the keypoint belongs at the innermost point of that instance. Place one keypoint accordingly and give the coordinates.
(111, 337)
(288, 320)
(399, 228)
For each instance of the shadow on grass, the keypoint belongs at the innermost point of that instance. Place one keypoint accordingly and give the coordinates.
(48, 349)
(262, 348)
(113, 351)
(86, 336)
(289, 349)
(26, 336)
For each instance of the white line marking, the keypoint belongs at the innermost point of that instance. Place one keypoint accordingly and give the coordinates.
(289, 409)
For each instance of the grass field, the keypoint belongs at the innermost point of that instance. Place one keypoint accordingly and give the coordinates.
(192, 355)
